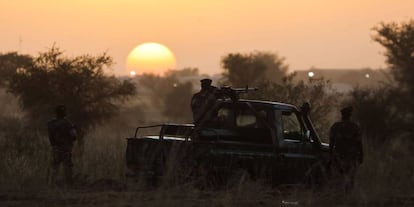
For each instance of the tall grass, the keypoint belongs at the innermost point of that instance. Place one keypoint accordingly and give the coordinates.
(385, 177)
(386, 174)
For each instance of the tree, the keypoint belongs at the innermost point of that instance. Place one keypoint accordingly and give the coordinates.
(9, 63)
(398, 40)
(252, 68)
(158, 86)
(171, 93)
(379, 113)
(80, 83)
(185, 72)
(177, 102)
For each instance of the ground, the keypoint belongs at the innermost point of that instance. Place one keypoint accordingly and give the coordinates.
(246, 193)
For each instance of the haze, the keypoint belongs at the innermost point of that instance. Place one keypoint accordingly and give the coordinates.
(314, 33)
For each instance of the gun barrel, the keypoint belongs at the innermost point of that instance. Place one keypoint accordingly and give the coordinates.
(244, 90)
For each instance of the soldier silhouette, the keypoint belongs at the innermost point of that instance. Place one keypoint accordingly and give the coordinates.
(346, 147)
(62, 134)
(203, 100)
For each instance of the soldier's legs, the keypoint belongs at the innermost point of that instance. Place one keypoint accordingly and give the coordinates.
(340, 171)
(348, 174)
(54, 167)
(67, 167)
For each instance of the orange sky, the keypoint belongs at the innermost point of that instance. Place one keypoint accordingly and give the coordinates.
(319, 33)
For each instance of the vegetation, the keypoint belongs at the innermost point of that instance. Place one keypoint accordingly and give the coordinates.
(9, 63)
(164, 90)
(252, 68)
(268, 72)
(398, 40)
(318, 92)
(42, 82)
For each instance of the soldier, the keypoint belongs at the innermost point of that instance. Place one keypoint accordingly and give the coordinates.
(202, 100)
(62, 134)
(346, 147)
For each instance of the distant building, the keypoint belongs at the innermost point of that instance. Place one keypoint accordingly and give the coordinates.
(345, 79)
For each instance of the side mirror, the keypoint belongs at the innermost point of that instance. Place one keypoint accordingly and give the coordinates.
(307, 134)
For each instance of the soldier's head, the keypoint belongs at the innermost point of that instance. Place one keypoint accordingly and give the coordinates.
(205, 83)
(346, 113)
(60, 111)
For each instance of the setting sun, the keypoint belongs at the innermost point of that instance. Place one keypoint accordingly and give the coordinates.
(150, 57)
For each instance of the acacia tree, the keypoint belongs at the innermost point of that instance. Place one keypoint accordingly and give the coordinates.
(9, 63)
(252, 68)
(78, 82)
(398, 40)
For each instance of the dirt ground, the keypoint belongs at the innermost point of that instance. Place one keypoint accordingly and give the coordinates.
(109, 193)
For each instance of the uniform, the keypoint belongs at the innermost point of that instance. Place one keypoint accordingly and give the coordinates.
(62, 134)
(345, 141)
(346, 147)
(203, 100)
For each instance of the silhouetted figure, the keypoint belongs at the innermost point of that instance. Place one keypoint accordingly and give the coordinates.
(346, 147)
(203, 100)
(62, 134)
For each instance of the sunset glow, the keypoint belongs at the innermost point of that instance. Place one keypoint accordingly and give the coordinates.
(320, 33)
(150, 57)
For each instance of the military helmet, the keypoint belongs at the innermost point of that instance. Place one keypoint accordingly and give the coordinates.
(206, 81)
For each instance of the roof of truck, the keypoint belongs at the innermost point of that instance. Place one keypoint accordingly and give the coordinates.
(274, 104)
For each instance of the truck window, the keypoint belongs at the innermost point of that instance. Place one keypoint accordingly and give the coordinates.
(246, 119)
(241, 123)
(291, 126)
(223, 117)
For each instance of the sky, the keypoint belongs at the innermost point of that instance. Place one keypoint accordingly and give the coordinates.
(307, 33)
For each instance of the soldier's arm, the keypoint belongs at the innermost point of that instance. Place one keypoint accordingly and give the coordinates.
(70, 129)
(73, 133)
(332, 139)
(51, 134)
(360, 148)
(192, 103)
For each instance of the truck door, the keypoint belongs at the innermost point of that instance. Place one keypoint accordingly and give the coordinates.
(296, 151)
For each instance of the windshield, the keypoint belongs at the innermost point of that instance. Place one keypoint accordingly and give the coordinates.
(291, 126)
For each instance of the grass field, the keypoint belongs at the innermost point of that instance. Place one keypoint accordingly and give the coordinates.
(385, 178)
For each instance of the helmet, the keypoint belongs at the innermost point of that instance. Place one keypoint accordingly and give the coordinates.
(207, 81)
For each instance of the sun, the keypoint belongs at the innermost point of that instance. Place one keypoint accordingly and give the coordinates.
(150, 57)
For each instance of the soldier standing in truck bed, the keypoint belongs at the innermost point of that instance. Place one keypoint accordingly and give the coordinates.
(346, 147)
(62, 134)
(203, 100)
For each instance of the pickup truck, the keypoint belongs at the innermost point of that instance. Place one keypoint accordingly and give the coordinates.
(270, 140)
